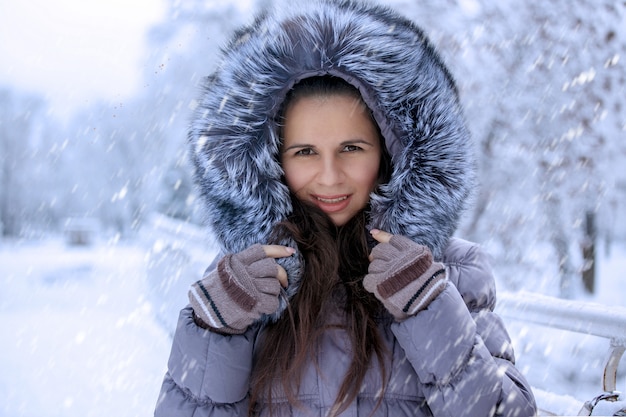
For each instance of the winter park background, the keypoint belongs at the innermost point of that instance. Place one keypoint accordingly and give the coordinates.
(93, 111)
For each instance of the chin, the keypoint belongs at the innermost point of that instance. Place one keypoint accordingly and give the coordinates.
(340, 220)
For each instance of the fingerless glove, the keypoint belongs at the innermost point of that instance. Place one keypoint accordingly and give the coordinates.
(403, 276)
(242, 288)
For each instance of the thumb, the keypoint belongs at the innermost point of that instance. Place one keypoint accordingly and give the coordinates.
(381, 236)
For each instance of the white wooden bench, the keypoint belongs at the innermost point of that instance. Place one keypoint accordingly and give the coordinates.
(579, 317)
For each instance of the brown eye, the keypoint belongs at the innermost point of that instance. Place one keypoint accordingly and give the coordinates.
(305, 152)
(352, 148)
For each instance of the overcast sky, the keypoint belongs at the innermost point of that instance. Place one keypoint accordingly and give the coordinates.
(75, 51)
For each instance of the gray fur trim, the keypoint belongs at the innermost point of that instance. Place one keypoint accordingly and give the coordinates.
(234, 141)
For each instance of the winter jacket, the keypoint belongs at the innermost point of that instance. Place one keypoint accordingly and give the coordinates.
(451, 359)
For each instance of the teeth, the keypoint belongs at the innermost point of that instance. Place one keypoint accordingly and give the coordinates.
(331, 200)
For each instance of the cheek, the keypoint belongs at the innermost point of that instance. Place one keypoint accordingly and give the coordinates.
(295, 178)
(369, 175)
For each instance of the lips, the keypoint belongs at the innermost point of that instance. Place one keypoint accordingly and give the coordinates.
(332, 204)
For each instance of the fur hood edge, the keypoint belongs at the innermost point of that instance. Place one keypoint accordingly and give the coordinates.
(233, 135)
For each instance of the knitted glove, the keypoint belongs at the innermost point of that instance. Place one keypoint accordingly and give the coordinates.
(403, 276)
(242, 288)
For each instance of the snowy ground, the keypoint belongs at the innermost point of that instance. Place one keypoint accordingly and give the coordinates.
(78, 334)
(84, 335)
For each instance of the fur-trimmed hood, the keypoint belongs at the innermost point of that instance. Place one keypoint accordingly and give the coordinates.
(234, 139)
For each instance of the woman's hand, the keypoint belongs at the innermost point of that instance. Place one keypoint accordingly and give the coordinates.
(242, 288)
(402, 275)
(278, 251)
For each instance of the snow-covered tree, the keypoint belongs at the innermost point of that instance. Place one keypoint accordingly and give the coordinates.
(182, 51)
(541, 86)
(572, 125)
(22, 180)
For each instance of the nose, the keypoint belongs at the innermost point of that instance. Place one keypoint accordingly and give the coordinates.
(331, 171)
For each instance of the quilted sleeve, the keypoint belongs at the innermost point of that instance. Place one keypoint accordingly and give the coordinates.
(460, 348)
(208, 373)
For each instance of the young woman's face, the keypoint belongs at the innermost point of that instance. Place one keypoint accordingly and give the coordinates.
(331, 154)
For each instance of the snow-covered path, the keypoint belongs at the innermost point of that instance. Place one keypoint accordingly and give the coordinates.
(78, 334)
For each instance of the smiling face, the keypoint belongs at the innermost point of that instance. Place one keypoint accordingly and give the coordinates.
(331, 154)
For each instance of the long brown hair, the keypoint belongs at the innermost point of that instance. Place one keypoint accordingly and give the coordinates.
(335, 261)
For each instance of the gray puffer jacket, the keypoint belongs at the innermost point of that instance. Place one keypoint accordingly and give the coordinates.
(452, 359)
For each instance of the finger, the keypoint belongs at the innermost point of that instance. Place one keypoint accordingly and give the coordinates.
(282, 276)
(381, 236)
(278, 251)
(269, 285)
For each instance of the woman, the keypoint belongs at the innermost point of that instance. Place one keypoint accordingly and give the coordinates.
(333, 161)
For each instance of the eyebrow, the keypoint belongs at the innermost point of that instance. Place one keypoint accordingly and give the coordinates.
(345, 142)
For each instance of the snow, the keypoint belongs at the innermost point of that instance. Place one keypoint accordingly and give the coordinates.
(86, 332)
(79, 336)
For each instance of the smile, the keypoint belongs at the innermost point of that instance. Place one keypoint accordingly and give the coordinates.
(332, 204)
(331, 200)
